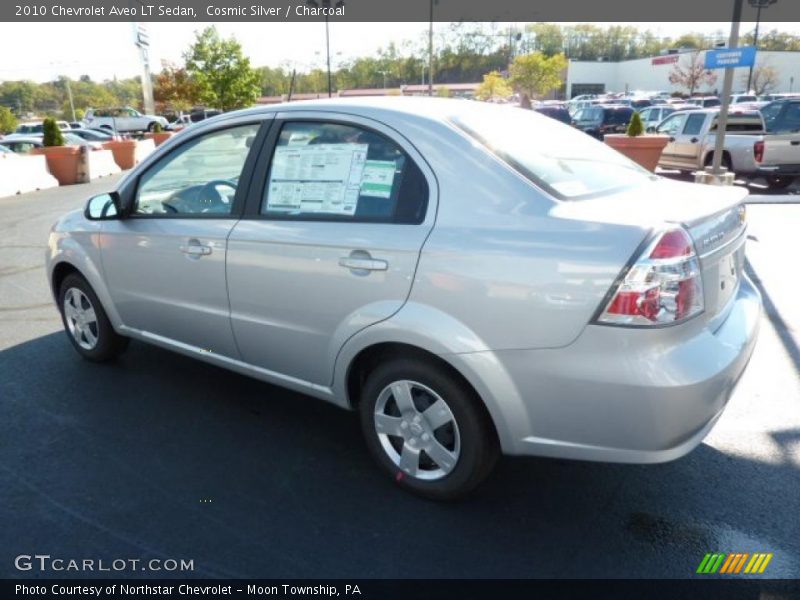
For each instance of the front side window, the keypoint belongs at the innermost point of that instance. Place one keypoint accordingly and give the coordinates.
(330, 171)
(671, 125)
(197, 178)
(694, 124)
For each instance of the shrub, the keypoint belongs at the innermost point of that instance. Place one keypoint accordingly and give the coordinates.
(8, 122)
(157, 128)
(635, 127)
(51, 133)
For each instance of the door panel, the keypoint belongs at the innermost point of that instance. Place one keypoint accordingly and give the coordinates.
(165, 263)
(671, 126)
(688, 144)
(330, 244)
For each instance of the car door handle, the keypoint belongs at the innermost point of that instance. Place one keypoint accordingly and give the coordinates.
(671, 139)
(196, 249)
(795, 142)
(363, 264)
(693, 140)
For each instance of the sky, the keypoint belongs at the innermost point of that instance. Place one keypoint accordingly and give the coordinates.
(106, 50)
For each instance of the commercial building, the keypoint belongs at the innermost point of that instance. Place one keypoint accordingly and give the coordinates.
(652, 74)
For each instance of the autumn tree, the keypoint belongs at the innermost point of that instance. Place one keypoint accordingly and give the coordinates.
(692, 73)
(221, 71)
(174, 88)
(536, 75)
(8, 122)
(765, 79)
(493, 86)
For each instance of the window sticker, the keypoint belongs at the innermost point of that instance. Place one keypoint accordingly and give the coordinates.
(317, 178)
(378, 178)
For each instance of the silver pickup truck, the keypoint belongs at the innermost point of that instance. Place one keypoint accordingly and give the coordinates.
(752, 148)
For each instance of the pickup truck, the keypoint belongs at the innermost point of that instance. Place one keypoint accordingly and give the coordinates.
(780, 158)
(749, 149)
(122, 120)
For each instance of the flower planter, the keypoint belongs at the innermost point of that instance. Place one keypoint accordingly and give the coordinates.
(159, 137)
(643, 149)
(62, 162)
(124, 152)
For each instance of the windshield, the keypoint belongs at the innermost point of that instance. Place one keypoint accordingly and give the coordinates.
(565, 162)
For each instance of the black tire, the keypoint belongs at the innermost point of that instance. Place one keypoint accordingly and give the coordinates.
(151, 127)
(778, 182)
(109, 344)
(477, 442)
(726, 161)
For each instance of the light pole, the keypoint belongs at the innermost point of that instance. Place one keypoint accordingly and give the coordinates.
(758, 4)
(326, 5)
(430, 50)
(384, 79)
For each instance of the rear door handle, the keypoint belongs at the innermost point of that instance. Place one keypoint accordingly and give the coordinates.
(196, 249)
(693, 140)
(363, 264)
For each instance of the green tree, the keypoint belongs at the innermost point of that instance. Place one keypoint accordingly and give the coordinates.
(493, 86)
(536, 75)
(175, 89)
(8, 122)
(221, 71)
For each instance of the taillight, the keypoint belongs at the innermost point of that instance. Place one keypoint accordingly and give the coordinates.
(663, 287)
(758, 151)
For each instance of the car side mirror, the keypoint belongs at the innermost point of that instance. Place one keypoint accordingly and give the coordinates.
(104, 207)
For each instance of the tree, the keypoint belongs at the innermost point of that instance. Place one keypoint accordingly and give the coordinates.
(51, 134)
(8, 122)
(221, 72)
(692, 74)
(536, 75)
(765, 79)
(493, 86)
(175, 89)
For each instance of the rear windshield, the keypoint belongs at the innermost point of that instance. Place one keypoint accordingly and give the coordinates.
(563, 161)
(741, 124)
(619, 116)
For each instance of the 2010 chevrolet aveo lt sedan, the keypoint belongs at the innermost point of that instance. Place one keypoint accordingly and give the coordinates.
(471, 279)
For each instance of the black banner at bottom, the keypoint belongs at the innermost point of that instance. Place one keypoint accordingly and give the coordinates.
(405, 589)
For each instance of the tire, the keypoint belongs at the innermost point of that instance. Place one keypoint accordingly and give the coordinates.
(151, 127)
(459, 430)
(94, 340)
(726, 161)
(779, 183)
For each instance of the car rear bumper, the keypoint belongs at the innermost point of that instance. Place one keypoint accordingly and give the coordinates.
(621, 394)
(779, 170)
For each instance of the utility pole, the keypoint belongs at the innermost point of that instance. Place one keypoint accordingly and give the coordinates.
(759, 4)
(142, 41)
(430, 52)
(69, 95)
(326, 4)
(727, 84)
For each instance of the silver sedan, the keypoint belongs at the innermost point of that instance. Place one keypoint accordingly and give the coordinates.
(472, 279)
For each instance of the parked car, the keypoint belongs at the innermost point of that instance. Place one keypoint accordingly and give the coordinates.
(557, 112)
(36, 127)
(704, 102)
(24, 144)
(94, 135)
(528, 291)
(743, 98)
(5, 150)
(653, 115)
(122, 120)
(780, 155)
(602, 119)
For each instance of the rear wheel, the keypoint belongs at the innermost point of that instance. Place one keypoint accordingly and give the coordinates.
(86, 323)
(779, 183)
(427, 429)
(726, 161)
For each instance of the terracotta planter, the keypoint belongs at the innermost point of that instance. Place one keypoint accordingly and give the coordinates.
(160, 137)
(62, 162)
(124, 152)
(644, 149)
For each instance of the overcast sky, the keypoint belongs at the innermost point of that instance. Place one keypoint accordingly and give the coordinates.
(105, 50)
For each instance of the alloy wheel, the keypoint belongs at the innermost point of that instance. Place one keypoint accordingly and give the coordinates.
(81, 318)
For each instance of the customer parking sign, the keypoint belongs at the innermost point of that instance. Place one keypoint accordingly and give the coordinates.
(726, 58)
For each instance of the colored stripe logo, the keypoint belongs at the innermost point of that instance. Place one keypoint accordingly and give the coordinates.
(734, 563)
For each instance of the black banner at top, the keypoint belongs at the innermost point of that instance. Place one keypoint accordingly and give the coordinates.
(393, 10)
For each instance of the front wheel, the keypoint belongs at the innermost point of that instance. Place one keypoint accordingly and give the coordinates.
(86, 323)
(427, 429)
(151, 127)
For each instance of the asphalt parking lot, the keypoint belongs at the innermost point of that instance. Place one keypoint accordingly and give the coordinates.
(160, 456)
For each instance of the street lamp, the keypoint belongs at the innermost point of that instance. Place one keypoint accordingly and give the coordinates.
(326, 4)
(757, 4)
(384, 79)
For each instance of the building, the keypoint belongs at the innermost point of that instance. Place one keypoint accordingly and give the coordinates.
(652, 74)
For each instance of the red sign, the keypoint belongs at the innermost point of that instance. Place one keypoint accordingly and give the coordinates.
(665, 60)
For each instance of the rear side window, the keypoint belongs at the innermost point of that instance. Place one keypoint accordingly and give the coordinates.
(563, 161)
(741, 124)
(334, 172)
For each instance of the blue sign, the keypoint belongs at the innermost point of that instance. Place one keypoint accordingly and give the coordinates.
(727, 58)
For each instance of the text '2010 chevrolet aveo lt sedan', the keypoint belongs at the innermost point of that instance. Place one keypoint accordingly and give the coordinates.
(472, 279)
